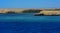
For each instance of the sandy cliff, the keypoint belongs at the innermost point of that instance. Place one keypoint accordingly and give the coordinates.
(50, 12)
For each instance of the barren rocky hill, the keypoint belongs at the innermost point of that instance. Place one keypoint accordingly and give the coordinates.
(21, 10)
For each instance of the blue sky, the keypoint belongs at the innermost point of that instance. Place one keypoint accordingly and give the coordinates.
(29, 3)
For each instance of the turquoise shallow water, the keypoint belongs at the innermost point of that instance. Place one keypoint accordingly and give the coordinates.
(27, 23)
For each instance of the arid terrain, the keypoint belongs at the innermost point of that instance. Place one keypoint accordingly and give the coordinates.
(16, 10)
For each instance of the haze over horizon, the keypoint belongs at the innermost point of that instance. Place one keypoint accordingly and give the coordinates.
(29, 3)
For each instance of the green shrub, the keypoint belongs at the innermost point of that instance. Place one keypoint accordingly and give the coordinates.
(31, 11)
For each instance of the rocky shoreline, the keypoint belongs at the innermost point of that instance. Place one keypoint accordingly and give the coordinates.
(45, 15)
(40, 12)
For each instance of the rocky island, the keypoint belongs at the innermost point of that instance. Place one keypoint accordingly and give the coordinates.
(37, 12)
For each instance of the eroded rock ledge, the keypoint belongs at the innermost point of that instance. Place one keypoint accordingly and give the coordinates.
(48, 13)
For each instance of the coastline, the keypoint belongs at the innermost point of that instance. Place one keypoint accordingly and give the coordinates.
(37, 12)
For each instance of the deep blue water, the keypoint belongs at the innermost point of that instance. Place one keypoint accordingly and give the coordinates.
(27, 23)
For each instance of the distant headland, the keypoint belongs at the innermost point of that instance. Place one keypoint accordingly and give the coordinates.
(52, 11)
(19, 10)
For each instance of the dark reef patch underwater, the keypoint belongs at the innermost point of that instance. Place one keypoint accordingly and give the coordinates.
(27, 23)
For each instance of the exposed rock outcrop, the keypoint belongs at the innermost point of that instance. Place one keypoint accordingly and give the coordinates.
(48, 13)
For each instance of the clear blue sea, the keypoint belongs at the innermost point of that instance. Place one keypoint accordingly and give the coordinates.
(28, 23)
